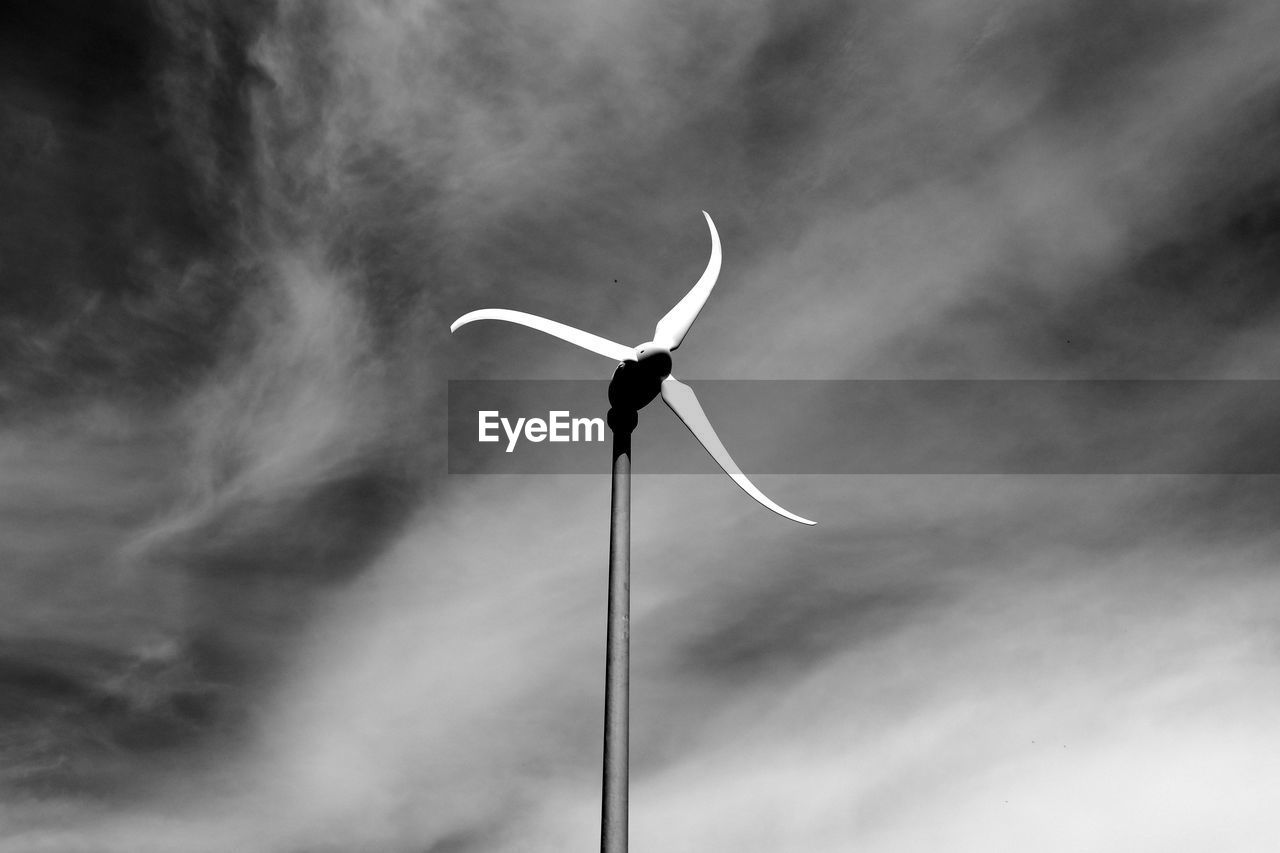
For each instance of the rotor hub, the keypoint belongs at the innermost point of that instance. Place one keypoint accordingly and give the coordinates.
(636, 383)
(655, 358)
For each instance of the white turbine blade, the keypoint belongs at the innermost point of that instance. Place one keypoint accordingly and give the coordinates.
(673, 327)
(681, 400)
(586, 340)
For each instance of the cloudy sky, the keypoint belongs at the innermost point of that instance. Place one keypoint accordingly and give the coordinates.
(243, 605)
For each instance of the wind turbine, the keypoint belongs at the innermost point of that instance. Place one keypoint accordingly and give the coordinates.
(644, 372)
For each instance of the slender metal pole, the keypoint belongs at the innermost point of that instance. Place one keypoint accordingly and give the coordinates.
(613, 817)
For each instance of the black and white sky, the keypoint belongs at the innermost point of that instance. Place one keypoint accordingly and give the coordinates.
(243, 607)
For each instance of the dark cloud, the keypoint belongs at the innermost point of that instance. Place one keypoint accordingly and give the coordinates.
(1089, 58)
(1180, 295)
(788, 626)
(117, 229)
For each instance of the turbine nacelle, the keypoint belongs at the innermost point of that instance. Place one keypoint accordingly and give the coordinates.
(644, 372)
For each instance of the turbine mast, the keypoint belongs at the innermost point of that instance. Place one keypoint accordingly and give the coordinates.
(617, 676)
